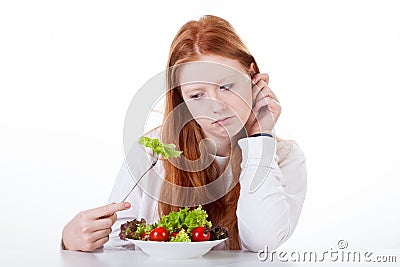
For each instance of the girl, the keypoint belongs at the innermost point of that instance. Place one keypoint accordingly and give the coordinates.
(263, 177)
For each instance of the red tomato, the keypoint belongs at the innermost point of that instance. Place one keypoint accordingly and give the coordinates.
(200, 234)
(159, 234)
(176, 232)
(144, 236)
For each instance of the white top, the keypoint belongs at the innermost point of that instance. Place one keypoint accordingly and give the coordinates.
(266, 215)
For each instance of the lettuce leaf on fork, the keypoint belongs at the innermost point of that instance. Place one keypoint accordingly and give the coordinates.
(165, 150)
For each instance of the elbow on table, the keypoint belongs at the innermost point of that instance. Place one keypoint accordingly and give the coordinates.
(260, 240)
(261, 244)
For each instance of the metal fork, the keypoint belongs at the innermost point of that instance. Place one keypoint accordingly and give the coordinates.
(153, 163)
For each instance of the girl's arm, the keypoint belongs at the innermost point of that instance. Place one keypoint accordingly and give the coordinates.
(268, 214)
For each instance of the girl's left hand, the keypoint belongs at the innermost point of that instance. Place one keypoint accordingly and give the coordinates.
(266, 108)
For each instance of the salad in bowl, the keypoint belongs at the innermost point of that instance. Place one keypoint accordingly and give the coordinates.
(184, 234)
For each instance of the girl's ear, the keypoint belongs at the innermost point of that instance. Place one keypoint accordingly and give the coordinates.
(252, 69)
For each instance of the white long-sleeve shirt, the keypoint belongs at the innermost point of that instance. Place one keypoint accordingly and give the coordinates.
(268, 208)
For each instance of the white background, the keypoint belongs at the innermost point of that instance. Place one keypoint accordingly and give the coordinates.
(68, 71)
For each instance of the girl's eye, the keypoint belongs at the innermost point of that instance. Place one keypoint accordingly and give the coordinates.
(227, 86)
(195, 96)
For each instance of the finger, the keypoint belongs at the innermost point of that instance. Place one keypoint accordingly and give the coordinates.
(272, 104)
(108, 210)
(273, 110)
(260, 76)
(260, 104)
(258, 91)
(259, 85)
(100, 242)
(112, 215)
(103, 223)
(270, 93)
(274, 107)
(266, 92)
(260, 95)
(100, 234)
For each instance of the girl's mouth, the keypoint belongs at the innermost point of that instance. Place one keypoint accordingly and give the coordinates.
(223, 121)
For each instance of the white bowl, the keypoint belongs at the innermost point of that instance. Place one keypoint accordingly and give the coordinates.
(176, 250)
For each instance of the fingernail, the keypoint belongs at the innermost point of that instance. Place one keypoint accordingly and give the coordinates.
(127, 205)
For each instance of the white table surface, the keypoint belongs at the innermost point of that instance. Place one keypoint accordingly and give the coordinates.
(122, 258)
(136, 258)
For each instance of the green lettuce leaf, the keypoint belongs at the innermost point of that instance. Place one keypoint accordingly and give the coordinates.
(174, 220)
(185, 219)
(165, 150)
(182, 236)
(196, 218)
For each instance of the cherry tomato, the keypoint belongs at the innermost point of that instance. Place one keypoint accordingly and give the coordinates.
(176, 232)
(200, 234)
(159, 234)
(145, 236)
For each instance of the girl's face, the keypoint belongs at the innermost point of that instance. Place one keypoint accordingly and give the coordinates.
(218, 94)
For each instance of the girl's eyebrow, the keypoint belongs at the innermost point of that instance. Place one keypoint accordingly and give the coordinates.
(191, 86)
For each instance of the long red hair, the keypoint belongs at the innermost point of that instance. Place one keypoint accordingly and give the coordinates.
(210, 35)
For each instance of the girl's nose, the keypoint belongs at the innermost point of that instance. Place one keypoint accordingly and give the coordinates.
(216, 104)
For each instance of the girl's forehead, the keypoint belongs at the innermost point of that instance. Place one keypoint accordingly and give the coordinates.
(209, 72)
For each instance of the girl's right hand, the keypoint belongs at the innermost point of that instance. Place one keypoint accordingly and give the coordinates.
(266, 107)
(89, 230)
